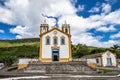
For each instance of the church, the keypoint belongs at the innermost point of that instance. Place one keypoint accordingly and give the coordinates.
(55, 43)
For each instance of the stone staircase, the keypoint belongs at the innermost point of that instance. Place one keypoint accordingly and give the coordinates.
(74, 67)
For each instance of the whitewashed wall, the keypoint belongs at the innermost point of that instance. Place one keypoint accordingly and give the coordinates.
(99, 64)
(47, 50)
(26, 60)
(112, 56)
(93, 60)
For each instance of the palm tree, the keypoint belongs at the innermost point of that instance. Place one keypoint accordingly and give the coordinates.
(115, 47)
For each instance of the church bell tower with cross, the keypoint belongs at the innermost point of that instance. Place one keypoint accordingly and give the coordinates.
(66, 28)
(44, 27)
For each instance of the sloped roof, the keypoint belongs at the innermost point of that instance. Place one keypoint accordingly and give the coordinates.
(95, 55)
(92, 55)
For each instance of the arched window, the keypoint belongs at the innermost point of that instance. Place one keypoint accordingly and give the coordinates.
(47, 40)
(55, 40)
(66, 30)
(62, 40)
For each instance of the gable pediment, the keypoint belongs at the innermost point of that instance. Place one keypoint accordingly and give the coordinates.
(54, 30)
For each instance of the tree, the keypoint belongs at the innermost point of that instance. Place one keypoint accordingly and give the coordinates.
(79, 50)
(115, 47)
(8, 60)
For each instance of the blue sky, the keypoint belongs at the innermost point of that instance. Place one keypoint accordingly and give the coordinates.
(93, 22)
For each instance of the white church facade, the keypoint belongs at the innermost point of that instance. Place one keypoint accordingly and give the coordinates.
(55, 43)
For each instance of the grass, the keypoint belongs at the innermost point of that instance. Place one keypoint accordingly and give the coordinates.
(7, 44)
(106, 70)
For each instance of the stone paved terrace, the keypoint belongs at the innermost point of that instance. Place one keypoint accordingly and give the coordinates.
(75, 67)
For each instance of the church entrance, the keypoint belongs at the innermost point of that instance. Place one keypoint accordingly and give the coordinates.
(55, 54)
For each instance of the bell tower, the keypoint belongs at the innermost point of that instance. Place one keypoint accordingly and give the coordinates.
(44, 27)
(66, 28)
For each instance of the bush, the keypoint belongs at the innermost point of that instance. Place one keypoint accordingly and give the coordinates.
(8, 60)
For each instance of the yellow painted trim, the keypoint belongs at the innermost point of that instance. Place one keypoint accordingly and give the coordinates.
(40, 52)
(21, 66)
(46, 59)
(101, 60)
(47, 36)
(93, 65)
(55, 46)
(64, 59)
(70, 48)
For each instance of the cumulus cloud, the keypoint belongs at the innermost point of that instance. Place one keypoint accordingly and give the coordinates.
(28, 17)
(106, 29)
(6, 16)
(115, 35)
(80, 26)
(1, 31)
(94, 10)
(87, 38)
(30, 13)
(81, 7)
(106, 8)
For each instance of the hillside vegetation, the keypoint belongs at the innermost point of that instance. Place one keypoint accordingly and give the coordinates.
(12, 50)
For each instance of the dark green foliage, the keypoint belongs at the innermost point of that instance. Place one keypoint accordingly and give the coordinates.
(8, 60)
(79, 50)
(9, 55)
(82, 50)
(21, 51)
(115, 47)
(98, 50)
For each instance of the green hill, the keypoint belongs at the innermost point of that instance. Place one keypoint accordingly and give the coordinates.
(12, 50)
(19, 42)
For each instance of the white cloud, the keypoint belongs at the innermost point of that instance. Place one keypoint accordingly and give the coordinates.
(6, 16)
(106, 29)
(73, 2)
(87, 38)
(106, 8)
(80, 25)
(113, 17)
(30, 13)
(28, 17)
(23, 31)
(111, 1)
(94, 9)
(1, 31)
(81, 8)
(115, 35)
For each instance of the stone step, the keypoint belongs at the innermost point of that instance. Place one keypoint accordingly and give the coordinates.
(59, 68)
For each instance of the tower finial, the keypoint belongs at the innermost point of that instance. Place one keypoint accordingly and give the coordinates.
(44, 21)
(65, 22)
